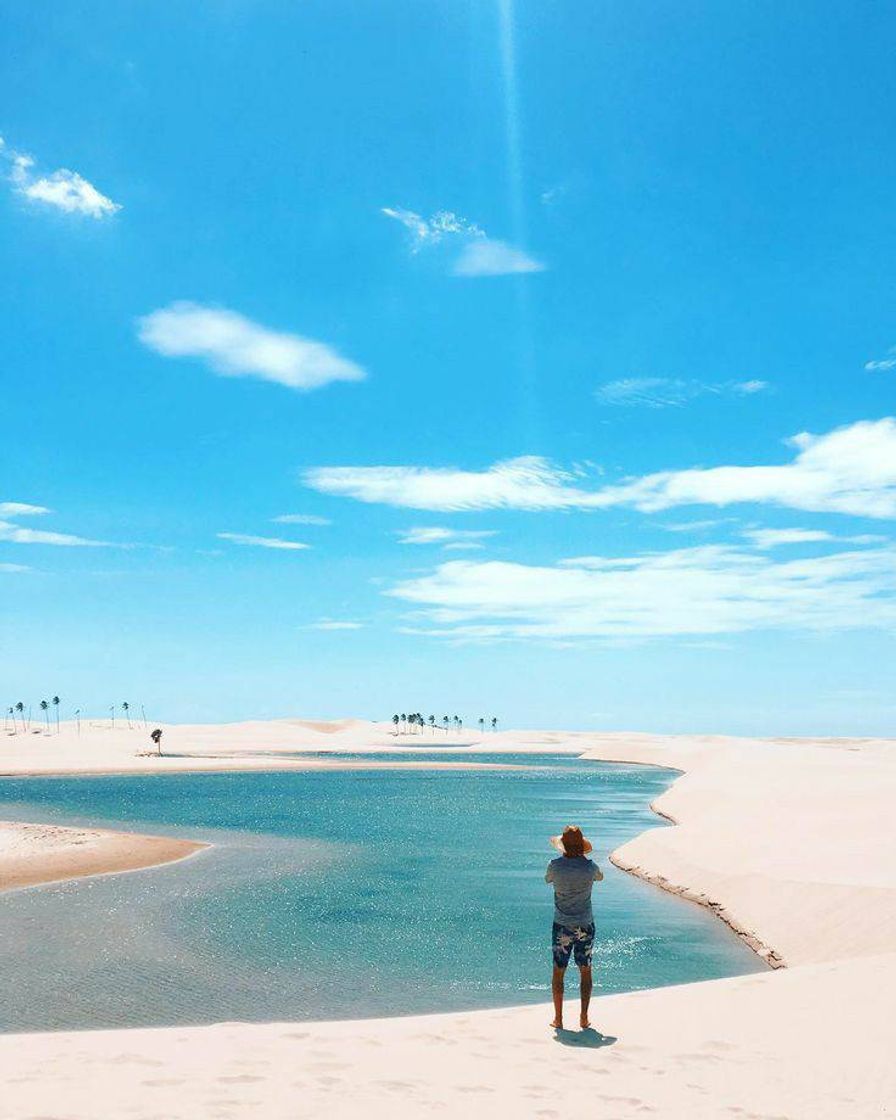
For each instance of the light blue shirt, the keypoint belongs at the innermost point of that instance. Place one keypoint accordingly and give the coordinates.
(573, 878)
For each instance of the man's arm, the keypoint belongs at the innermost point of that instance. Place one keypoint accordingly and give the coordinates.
(598, 874)
(549, 874)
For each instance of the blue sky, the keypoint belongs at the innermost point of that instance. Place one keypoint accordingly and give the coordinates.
(562, 336)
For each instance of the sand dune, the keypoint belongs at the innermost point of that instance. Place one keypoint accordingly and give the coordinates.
(791, 841)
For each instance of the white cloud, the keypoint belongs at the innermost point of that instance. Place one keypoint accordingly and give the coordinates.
(479, 254)
(301, 519)
(849, 470)
(882, 364)
(262, 542)
(14, 568)
(234, 346)
(15, 534)
(710, 590)
(18, 535)
(528, 482)
(67, 191)
(430, 231)
(693, 526)
(64, 189)
(669, 392)
(494, 258)
(336, 624)
(21, 509)
(447, 538)
(771, 538)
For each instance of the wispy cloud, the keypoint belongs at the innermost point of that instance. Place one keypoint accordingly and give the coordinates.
(477, 254)
(849, 470)
(262, 542)
(700, 526)
(447, 538)
(711, 590)
(63, 189)
(550, 196)
(234, 346)
(21, 509)
(772, 538)
(18, 534)
(432, 231)
(494, 258)
(669, 392)
(336, 624)
(12, 569)
(528, 482)
(882, 364)
(301, 519)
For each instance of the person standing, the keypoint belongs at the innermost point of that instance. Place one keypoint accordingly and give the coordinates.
(572, 875)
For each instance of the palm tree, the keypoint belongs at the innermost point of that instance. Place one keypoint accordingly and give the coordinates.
(78, 718)
(432, 724)
(20, 708)
(445, 722)
(10, 712)
(460, 723)
(56, 706)
(494, 723)
(126, 707)
(45, 708)
(396, 720)
(404, 720)
(112, 710)
(481, 724)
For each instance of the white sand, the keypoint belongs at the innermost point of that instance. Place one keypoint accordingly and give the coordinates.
(793, 841)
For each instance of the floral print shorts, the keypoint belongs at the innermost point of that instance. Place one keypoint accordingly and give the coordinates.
(579, 942)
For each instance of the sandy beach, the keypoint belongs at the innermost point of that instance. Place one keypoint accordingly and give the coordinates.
(791, 842)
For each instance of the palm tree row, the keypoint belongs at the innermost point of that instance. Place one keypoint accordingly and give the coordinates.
(405, 723)
(15, 714)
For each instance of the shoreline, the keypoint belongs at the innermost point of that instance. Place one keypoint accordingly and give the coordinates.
(788, 842)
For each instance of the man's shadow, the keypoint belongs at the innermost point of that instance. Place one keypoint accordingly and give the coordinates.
(588, 1038)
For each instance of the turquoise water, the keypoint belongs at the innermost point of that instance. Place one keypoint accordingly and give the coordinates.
(333, 894)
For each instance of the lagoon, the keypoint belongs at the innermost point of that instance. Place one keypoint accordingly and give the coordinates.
(339, 894)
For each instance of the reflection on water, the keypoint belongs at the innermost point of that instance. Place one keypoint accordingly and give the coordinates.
(334, 894)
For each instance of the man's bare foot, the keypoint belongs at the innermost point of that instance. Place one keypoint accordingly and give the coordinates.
(557, 1024)
(584, 1022)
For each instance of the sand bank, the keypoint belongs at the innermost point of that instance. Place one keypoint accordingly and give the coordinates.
(792, 841)
(45, 853)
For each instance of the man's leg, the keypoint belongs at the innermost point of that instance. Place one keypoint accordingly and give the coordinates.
(585, 984)
(557, 990)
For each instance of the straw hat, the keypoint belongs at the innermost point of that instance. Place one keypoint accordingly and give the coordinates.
(574, 833)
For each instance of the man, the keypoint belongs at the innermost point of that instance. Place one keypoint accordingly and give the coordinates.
(573, 876)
